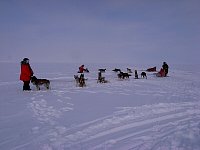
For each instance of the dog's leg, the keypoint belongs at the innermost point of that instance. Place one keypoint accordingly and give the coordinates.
(47, 86)
(38, 87)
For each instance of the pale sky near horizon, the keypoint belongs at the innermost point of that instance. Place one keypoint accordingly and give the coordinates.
(110, 31)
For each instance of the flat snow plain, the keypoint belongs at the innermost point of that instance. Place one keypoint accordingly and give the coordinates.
(132, 114)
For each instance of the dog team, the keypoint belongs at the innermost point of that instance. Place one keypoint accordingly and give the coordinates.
(26, 75)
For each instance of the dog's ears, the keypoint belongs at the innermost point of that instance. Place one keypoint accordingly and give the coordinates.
(33, 77)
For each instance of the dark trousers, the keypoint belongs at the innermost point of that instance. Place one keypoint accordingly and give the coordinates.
(166, 72)
(26, 86)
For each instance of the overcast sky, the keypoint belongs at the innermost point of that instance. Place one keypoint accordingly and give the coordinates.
(111, 31)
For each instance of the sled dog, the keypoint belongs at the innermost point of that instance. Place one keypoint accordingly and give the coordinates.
(143, 75)
(123, 75)
(80, 81)
(39, 82)
(102, 70)
(116, 70)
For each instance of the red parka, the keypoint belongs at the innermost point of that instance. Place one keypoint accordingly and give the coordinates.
(81, 69)
(26, 72)
(161, 73)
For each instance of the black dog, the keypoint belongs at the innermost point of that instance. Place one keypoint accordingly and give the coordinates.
(38, 82)
(143, 75)
(102, 70)
(100, 78)
(116, 70)
(123, 75)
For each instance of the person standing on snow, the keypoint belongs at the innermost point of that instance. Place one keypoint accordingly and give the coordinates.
(136, 74)
(165, 67)
(82, 69)
(26, 73)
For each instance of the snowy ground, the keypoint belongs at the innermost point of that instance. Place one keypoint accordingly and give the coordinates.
(156, 114)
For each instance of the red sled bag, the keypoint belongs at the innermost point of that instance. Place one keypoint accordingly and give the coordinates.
(153, 69)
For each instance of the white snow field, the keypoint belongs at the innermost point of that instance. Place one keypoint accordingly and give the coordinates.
(131, 114)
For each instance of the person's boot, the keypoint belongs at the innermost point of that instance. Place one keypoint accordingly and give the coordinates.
(26, 87)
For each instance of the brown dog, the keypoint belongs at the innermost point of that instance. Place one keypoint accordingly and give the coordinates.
(80, 81)
(38, 82)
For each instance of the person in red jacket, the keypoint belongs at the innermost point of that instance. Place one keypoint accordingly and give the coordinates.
(161, 73)
(26, 73)
(81, 69)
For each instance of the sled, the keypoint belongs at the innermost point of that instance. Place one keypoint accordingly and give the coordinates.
(153, 69)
